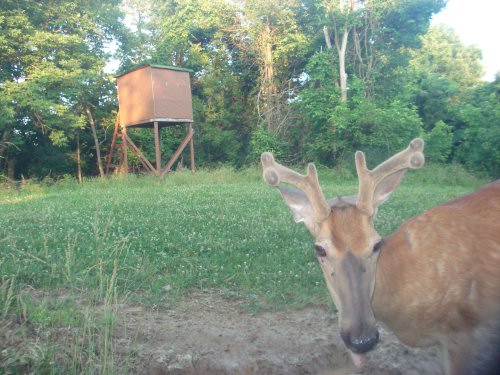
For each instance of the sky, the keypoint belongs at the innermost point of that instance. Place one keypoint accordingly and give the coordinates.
(477, 22)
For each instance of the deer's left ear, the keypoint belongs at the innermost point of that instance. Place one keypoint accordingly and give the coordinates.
(376, 185)
(386, 187)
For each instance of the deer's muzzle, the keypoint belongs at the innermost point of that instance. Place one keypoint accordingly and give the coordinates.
(362, 343)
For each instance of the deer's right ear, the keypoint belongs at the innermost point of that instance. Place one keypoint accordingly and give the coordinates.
(300, 206)
(307, 203)
(298, 203)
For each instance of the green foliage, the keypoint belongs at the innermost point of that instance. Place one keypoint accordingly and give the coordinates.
(447, 90)
(438, 143)
(316, 103)
(452, 175)
(379, 130)
(263, 140)
(334, 129)
(434, 98)
(51, 70)
(443, 55)
(371, 125)
(255, 63)
(479, 149)
(406, 21)
(381, 35)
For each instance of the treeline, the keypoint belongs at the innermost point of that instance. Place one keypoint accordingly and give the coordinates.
(309, 80)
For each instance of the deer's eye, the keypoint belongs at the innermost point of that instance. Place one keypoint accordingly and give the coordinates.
(320, 251)
(378, 246)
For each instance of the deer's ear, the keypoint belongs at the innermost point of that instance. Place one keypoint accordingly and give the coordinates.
(300, 206)
(386, 187)
(298, 203)
(376, 185)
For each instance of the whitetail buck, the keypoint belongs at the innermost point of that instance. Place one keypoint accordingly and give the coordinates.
(435, 281)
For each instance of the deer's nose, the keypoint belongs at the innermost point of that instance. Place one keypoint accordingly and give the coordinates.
(361, 343)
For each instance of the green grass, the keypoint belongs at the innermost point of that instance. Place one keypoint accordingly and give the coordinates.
(216, 229)
(69, 252)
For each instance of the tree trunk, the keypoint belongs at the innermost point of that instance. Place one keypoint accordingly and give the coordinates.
(96, 141)
(268, 89)
(78, 159)
(328, 41)
(4, 142)
(11, 169)
(343, 75)
(341, 50)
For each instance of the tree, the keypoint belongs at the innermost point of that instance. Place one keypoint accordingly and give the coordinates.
(480, 114)
(262, 78)
(50, 52)
(444, 69)
(372, 40)
(443, 55)
(332, 128)
(438, 142)
(434, 97)
(270, 33)
(446, 74)
(136, 44)
(196, 34)
(245, 57)
(373, 37)
(343, 17)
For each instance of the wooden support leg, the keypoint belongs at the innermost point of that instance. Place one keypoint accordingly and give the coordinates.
(125, 151)
(191, 148)
(145, 162)
(177, 153)
(157, 148)
(113, 140)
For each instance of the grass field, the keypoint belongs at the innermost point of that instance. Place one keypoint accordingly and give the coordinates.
(70, 254)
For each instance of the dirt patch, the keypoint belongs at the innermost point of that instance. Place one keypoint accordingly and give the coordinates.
(211, 335)
(206, 335)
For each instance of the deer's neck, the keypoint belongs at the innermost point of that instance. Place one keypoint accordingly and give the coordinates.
(393, 296)
(391, 275)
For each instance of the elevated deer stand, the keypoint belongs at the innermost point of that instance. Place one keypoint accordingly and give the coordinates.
(153, 96)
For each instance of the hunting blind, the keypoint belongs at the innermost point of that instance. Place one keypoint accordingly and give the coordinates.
(153, 96)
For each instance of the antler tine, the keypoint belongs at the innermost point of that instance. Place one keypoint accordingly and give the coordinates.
(410, 158)
(274, 173)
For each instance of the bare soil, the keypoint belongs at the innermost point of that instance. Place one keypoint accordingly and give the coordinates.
(210, 335)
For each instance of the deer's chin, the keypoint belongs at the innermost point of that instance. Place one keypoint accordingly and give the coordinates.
(359, 360)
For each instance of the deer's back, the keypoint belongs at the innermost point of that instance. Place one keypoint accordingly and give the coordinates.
(440, 272)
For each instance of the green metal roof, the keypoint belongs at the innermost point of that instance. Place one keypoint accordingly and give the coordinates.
(155, 66)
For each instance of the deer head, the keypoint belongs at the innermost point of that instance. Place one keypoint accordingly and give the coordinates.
(346, 241)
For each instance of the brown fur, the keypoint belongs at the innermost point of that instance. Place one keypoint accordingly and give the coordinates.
(438, 277)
